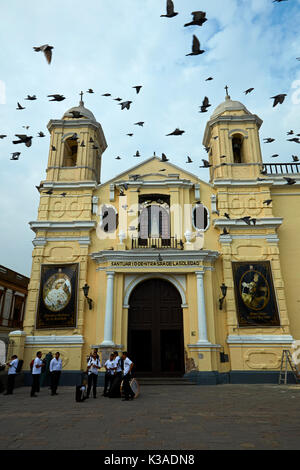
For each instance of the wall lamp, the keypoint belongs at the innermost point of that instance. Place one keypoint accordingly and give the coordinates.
(86, 289)
(224, 292)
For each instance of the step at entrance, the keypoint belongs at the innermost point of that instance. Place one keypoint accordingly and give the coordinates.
(164, 381)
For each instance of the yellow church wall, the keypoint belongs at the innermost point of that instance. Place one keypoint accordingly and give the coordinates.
(286, 204)
(71, 244)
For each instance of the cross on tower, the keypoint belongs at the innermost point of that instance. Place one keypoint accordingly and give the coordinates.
(81, 98)
(227, 88)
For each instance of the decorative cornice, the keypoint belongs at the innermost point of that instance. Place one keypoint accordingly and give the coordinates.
(54, 226)
(78, 124)
(204, 346)
(53, 339)
(260, 339)
(17, 333)
(42, 241)
(149, 255)
(69, 185)
(227, 239)
(155, 183)
(262, 223)
(242, 183)
(268, 181)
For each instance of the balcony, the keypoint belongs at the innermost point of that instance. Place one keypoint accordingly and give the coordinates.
(159, 243)
(282, 168)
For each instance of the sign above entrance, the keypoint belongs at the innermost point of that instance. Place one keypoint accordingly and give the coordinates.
(146, 264)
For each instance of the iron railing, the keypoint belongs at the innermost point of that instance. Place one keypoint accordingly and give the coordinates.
(160, 243)
(281, 168)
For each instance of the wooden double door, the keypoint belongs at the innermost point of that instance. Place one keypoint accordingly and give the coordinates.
(155, 329)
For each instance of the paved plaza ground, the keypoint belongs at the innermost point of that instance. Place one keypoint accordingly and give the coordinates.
(163, 417)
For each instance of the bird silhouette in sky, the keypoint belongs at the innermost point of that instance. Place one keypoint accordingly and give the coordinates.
(47, 50)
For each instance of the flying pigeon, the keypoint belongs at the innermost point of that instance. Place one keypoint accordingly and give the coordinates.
(196, 47)
(198, 20)
(56, 97)
(206, 164)
(278, 99)
(23, 139)
(47, 50)
(15, 155)
(19, 107)
(290, 181)
(170, 10)
(76, 114)
(176, 132)
(138, 88)
(125, 104)
(31, 98)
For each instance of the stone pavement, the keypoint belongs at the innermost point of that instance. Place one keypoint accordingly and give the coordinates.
(167, 417)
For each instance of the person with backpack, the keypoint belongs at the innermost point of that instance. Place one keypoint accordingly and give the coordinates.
(11, 375)
(36, 374)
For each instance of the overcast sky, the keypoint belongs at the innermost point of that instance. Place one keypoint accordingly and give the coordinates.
(112, 46)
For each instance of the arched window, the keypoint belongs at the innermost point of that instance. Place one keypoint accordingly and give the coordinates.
(154, 222)
(200, 217)
(237, 148)
(70, 151)
(108, 219)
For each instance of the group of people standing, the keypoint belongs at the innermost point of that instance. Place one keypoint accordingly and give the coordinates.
(117, 368)
(55, 368)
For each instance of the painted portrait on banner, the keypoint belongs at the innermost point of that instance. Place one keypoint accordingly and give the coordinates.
(255, 298)
(57, 306)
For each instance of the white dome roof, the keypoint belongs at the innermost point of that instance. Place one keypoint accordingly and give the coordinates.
(229, 105)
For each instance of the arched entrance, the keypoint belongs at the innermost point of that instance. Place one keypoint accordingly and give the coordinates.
(155, 329)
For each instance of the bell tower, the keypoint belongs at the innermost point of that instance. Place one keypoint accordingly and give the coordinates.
(232, 136)
(76, 147)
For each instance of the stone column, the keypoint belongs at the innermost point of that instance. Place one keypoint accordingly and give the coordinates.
(109, 311)
(202, 325)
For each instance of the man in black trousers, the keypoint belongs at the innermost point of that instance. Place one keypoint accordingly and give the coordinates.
(12, 372)
(55, 371)
(127, 366)
(36, 374)
(93, 368)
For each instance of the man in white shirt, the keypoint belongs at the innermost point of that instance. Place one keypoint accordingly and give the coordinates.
(36, 374)
(55, 371)
(93, 368)
(114, 391)
(127, 366)
(110, 367)
(12, 371)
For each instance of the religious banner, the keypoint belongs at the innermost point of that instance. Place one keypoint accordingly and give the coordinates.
(57, 306)
(255, 298)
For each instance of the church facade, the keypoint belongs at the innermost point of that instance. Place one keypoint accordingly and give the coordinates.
(194, 279)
